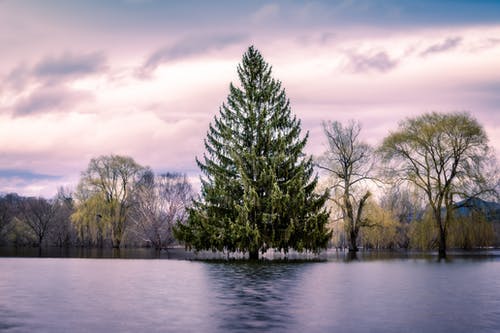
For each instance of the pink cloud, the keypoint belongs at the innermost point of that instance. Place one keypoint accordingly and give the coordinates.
(50, 99)
(78, 89)
(448, 44)
(188, 47)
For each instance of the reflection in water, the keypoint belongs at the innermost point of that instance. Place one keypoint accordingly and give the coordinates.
(409, 293)
(82, 252)
(255, 296)
(383, 255)
(9, 320)
(181, 254)
(104, 295)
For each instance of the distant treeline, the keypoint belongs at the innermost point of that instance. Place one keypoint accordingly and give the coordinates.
(400, 221)
(117, 203)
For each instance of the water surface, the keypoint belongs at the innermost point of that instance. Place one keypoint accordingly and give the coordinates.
(400, 294)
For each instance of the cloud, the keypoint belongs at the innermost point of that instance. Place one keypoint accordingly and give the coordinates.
(494, 41)
(447, 44)
(137, 2)
(380, 62)
(69, 65)
(266, 12)
(55, 70)
(29, 183)
(188, 47)
(483, 44)
(320, 55)
(46, 86)
(18, 77)
(24, 174)
(49, 99)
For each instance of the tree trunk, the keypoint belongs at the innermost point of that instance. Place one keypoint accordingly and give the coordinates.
(442, 243)
(352, 256)
(40, 240)
(116, 243)
(253, 254)
(353, 236)
(157, 243)
(442, 233)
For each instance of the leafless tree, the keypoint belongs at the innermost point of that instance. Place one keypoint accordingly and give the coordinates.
(350, 163)
(160, 202)
(38, 215)
(63, 231)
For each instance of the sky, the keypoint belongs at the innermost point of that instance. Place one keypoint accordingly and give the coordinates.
(144, 78)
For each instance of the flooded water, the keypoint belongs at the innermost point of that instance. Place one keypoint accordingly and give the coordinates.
(384, 294)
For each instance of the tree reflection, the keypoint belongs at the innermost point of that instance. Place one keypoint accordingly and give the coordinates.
(255, 296)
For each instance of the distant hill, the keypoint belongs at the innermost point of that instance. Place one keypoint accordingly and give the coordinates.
(489, 208)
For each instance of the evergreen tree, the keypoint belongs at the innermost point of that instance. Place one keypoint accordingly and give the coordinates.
(258, 186)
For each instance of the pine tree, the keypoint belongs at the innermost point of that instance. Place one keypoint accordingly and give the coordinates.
(258, 186)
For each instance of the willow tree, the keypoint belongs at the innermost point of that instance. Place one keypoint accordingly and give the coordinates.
(257, 185)
(104, 196)
(443, 155)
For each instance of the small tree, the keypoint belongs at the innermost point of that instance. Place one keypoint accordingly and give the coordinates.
(63, 231)
(349, 162)
(406, 208)
(8, 208)
(38, 215)
(160, 202)
(5, 219)
(384, 233)
(444, 156)
(258, 186)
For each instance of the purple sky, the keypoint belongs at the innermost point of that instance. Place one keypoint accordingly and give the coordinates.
(145, 78)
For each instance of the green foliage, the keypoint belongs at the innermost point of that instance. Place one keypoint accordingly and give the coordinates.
(104, 198)
(423, 233)
(91, 227)
(469, 232)
(20, 234)
(382, 230)
(258, 188)
(465, 232)
(6, 216)
(445, 157)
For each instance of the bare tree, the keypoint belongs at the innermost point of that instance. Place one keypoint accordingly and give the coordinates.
(63, 231)
(38, 215)
(444, 156)
(350, 163)
(160, 202)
